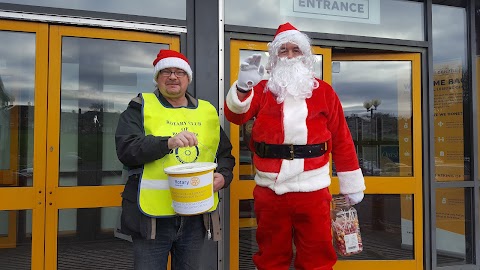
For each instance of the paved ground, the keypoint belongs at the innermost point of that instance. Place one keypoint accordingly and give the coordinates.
(116, 254)
(110, 254)
(385, 245)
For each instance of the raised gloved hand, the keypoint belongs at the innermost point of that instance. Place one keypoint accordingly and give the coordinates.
(354, 198)
(251, 72)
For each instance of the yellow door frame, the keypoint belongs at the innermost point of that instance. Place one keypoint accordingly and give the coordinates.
(243, 189)
(33, 198)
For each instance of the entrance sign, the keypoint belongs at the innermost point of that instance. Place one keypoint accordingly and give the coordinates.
(364, 11)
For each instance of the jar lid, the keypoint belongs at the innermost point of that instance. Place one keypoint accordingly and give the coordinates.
(340, 201)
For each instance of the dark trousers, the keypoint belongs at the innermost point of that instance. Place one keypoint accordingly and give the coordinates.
(182, 236)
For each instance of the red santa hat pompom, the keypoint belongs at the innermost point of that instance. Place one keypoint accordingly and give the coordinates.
(171, 59)
(288, 33)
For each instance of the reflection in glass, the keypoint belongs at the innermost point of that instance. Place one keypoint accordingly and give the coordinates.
(454, 240)
(377, 100)
(17, 86)
(99, 78)
(451, 94)
(369, 158)
(247, 170)
(271, 13)
(15, 240)
(89, 233)
(386, 225)
(244, 54)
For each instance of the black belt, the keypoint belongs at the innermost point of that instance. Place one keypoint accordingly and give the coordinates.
(289, 151)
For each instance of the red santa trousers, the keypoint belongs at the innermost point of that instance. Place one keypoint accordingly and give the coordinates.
(301, 216)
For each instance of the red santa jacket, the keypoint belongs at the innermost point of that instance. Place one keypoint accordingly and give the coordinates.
(314, 120)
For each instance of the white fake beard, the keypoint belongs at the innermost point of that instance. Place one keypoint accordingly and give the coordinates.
(291, 77)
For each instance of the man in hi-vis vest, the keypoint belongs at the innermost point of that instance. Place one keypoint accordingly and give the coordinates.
(157, 130)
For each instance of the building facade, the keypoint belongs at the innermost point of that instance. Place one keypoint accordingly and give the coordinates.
(406, 73)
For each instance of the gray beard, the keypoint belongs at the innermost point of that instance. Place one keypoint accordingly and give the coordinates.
(291, 77)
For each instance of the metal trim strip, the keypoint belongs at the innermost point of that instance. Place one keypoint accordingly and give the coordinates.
(171, 29)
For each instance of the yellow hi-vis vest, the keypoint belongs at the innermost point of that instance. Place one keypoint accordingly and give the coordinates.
(154, 197)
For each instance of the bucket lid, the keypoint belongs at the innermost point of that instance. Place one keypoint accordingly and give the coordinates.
(190, 168)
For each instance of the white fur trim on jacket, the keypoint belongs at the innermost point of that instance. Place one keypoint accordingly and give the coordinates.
(295, 112)
(234, 104)
(351, 182)
(304, 181)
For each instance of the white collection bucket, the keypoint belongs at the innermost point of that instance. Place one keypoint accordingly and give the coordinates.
(191, 187)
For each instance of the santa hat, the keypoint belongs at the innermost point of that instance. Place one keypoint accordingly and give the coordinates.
(288, 33)
(171, 59)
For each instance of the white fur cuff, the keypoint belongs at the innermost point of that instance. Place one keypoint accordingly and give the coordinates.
(351, 182)
(234, 104)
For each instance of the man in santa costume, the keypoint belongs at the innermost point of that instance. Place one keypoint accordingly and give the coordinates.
(299, 121)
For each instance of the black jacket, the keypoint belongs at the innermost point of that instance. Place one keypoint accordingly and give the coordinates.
(135, 149)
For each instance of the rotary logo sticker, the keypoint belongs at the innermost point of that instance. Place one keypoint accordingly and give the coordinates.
(195, 181)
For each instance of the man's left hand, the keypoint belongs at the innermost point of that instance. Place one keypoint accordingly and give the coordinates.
(354, 198)
(218, 181)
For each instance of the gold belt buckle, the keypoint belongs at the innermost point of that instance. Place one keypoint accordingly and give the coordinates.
(292, 153)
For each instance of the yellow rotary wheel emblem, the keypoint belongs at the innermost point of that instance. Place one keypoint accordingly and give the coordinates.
(187, 154)
(195, 181)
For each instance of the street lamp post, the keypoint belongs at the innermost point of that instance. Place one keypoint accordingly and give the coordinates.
(372, 105)
(378, 202)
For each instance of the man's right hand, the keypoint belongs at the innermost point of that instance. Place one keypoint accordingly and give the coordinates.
(182, 139)
(251, 72)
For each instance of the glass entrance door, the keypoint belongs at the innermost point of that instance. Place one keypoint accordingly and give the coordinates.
(380, 94)
(93, 75)
(23, 103)
(61, 92)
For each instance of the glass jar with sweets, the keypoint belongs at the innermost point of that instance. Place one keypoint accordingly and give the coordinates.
(346, 229)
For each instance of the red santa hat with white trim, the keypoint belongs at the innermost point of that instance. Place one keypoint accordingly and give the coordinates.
(171, 59)
(288, 33)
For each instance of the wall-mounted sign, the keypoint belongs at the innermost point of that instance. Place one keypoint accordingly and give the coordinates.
(448, 118)
(363, 11)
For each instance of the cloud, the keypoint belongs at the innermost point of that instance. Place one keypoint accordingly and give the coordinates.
(361, 81)
(449, 33)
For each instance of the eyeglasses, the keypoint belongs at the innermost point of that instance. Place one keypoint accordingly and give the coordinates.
(168, 73)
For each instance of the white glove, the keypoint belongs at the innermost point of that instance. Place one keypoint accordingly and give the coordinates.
(251, 72)
(354, 198)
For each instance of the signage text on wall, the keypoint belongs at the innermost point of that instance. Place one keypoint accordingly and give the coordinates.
(364, 11)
